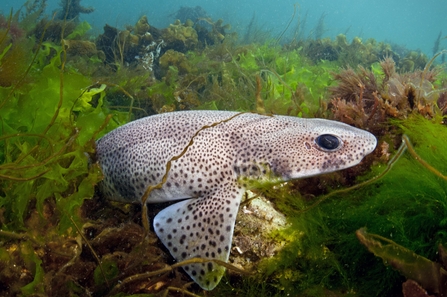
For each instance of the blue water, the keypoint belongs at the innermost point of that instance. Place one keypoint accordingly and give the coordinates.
(414, 24)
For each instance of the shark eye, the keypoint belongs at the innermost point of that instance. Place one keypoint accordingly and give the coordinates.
(328, 142)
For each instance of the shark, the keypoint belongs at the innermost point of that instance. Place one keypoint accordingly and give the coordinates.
(213, 156)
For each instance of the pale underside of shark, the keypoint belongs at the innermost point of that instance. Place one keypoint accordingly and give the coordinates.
(212, 175)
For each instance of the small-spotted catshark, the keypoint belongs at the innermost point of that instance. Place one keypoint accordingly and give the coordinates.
(210, 176)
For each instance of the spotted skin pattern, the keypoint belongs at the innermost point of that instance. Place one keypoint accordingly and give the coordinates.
(211, 176)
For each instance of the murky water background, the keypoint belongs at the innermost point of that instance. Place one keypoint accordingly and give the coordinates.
(414, 24)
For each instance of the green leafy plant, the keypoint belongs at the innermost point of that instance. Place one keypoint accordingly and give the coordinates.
(48, 128)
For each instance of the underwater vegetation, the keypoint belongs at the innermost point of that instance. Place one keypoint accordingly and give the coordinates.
(14, 55)
(436, 45)
(369, 98)
(15, 44)
(61, 89)
(50, 118)
(423, 275)
(359, 52)
(71, 10)
(320, 28)
(190, 13)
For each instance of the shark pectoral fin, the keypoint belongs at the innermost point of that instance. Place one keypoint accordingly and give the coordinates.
(201, 228)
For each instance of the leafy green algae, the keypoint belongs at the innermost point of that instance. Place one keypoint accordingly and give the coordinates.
(292, 83)
(420, 272)
(47, 129)
(43, 145)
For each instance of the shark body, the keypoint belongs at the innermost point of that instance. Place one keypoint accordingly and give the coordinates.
(210, 177)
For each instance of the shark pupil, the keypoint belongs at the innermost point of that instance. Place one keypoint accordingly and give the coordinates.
(328, 142)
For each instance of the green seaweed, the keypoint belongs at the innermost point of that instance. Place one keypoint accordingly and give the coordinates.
(79, 30)
(111, 271)
(430, 275)
(36, 286)
(47, 129)
(408, 205)
(45, 142)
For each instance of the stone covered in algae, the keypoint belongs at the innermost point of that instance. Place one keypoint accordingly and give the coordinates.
(180, 37)
(80, 47)
(177, 59)
(142, 26)
(253, 240)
